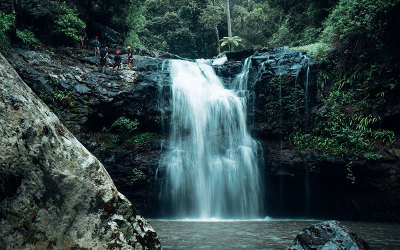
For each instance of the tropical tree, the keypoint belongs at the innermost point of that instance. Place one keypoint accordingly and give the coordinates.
(211, 17)
(232, 42)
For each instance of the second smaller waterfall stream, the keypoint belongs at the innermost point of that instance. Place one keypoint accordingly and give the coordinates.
(210, 169)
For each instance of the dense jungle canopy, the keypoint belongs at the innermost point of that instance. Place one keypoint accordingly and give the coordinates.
(195, 28)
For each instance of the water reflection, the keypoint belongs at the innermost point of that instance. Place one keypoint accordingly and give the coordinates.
(261, 234)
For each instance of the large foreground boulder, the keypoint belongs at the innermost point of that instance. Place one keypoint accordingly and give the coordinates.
(326, 236)
(54, 194)
(88, 103)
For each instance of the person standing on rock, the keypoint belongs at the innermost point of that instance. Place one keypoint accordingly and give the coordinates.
(96, 46)
(130, 56)
(131, 62)
(84, 39)
(117, 61)
(103, 58)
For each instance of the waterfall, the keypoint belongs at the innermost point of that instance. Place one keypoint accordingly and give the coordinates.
(307, 113)
(241, 81)
(163, 94)
(241, 88)
(210, 168)
(306, 91)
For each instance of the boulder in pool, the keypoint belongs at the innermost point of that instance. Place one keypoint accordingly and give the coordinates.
(328, 235)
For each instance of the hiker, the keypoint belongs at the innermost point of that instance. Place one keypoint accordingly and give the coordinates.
(131, 62)
(96, 44)
(117, 61)
(84, 39)
(130, 57)
(103, 58)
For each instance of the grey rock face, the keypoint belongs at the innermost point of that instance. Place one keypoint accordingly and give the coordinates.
(328, 235)
(87, 101)
(53, 192)
(72, 80)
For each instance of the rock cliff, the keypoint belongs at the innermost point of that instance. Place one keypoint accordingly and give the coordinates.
(283, 93)
(53, 192)
(88, 103)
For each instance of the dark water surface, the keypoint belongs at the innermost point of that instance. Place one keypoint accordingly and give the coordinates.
(263, 234)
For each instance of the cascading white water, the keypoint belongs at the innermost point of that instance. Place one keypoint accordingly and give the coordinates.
(306, 91)
(241, 80)
(241, 88)
(211, 165)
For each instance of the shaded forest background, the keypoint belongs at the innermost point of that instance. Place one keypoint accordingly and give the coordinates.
(356, 44)
(195, 28)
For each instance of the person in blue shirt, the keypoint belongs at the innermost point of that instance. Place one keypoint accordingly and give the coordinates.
(96, 45)
(103, 58)
(130, 57)
(117, 61)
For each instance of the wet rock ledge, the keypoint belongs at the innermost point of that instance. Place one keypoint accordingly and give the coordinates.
(54, 194)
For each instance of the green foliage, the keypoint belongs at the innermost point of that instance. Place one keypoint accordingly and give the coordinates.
(284, 103)
(350, 175)
(107, 140)
(232, 42)
(347, 124)
(137, 175)
(280, 23)
(133, 21)
(372, 156)
(283, 36)
(133, 40)
(212, 16)
(58, 96)
(363, 28)
(125, 124)
(6, 22)
(62, 22)
(142, 138)
(61, 95)
(333, 136)
(255, 22)
(358, 84)
(50, 53)
(28, 38)
(126, 132)
(194, 24)
(177, 27)
(51, 21)
(313, 49)
(67, 22)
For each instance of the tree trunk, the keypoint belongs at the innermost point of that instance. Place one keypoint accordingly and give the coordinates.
(88, 10)
(12, 6)
(228, 16)
(217, 34)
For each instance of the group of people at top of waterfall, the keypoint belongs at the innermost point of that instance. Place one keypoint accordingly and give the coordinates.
(103, 53)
